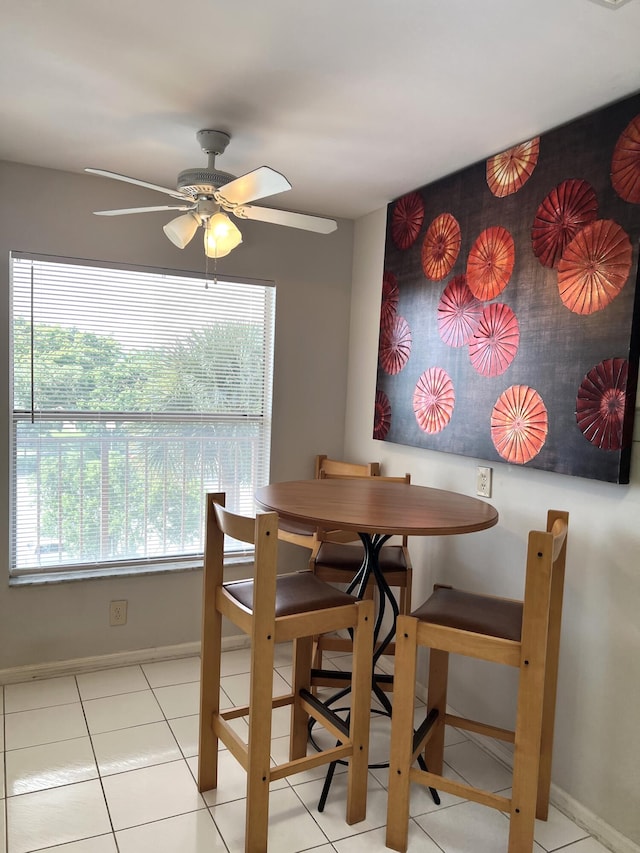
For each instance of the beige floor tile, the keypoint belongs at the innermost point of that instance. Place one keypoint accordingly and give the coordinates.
(56, 816)
(49, 765)
(44, 725)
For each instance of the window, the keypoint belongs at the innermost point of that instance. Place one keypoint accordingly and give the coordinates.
(135, 391)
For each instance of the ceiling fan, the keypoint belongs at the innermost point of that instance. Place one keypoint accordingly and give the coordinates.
(209, 194)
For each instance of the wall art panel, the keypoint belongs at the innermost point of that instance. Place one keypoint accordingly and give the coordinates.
(509, 323)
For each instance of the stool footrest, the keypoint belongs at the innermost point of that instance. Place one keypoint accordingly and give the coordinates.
(324, 713)
(423, 730)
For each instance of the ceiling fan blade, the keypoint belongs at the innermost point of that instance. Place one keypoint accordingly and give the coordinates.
(143, 209)
(117, 177)
(287, 217)
(261, 182)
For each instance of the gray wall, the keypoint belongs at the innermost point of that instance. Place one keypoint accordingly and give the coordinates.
(49, 212)
(596, 755)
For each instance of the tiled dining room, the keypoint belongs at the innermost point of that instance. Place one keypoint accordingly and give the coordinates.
(236, 238)
(105, 762)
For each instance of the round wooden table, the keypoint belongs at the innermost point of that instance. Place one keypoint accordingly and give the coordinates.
(381, 507)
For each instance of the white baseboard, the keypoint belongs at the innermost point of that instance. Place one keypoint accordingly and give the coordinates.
(55, 669)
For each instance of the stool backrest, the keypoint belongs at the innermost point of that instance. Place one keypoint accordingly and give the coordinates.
(326, 467)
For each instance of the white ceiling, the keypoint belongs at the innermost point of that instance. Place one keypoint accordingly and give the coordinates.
(355, 101)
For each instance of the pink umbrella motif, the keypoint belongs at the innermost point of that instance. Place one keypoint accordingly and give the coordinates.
(519, 424)
(395, 345)
(406, 220)
(441, 246)
(594, 267)
(625, 163)
(381, 416)
(601, 404)
(509, 171)
(490, 263)
(390, 297)
(495, 341)
(565, 211)
(458, 313)
(433, 400)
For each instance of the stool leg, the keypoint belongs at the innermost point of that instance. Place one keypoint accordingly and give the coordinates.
(437, 698)
(360, 713)
(210, 652)
(259, 746)
(402, 733)
(302, 655)
(526, 759)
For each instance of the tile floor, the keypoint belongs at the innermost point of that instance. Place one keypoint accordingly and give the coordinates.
(105, 761)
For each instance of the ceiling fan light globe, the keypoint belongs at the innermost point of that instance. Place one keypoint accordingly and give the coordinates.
(221, 236)
(181, 229)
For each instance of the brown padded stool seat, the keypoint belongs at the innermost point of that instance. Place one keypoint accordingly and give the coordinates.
(495, 617)
(348, 558)
(295, 593)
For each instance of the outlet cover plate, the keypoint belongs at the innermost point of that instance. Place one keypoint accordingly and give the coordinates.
(483, 481)
(118, 612)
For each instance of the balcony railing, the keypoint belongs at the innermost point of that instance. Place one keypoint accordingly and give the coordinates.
(103, 492)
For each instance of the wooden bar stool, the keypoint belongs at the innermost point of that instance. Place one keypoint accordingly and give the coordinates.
(523, 634)
(273, 609)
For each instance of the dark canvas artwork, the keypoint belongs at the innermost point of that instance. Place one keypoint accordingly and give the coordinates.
(509, 316)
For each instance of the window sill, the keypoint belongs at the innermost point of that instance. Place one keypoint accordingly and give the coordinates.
(47, 578)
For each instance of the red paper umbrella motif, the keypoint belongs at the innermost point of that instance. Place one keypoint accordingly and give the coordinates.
(508, 172)
(441, 246)
(459, 313)
(381, 416)
(390, 296)
(519, 424)
(406, 220)
(594, 267)
(433, 400)
(395, 345)
(565, 211)
(625, 163)
(495, 341)
(601, 403)
(490, 263)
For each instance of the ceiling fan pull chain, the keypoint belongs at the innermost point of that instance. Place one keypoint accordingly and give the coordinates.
(206, 271)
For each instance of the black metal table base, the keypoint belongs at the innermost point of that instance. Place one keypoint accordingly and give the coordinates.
(370, 568)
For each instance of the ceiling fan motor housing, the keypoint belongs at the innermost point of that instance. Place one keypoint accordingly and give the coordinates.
(195, 182)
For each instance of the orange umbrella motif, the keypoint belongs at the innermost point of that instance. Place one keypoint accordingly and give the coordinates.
(406, 220)
(441, 246)
(625, 163)
(519, 424)
(601, 403)
(381, 416)
(458, 313)
(390, 296)
(433, 400)
(509, 171)
(565, 211)
(594, 267)
(395, 345)
(495, 341)
(490, 263)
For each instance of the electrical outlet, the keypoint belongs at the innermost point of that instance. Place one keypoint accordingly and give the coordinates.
(118, 612)
(483, 481)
